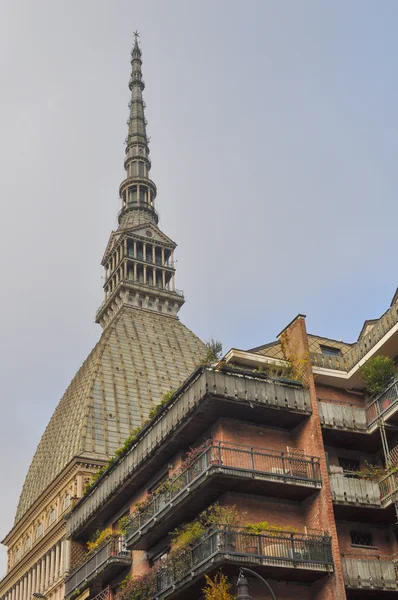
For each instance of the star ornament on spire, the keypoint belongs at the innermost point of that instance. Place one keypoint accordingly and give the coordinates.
(136, 35)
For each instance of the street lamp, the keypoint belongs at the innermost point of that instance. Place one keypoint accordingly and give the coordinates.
(243, 585)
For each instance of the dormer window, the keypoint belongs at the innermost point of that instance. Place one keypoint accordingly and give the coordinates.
(330, 351)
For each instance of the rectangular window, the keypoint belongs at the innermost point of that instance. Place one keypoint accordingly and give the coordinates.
(330, 351)
(141, 168)
(361, 538)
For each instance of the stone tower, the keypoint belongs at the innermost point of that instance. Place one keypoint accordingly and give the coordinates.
(144, 351)
(139, 258)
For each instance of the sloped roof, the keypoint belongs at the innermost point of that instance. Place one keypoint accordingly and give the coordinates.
(274, 349)
(139, 357)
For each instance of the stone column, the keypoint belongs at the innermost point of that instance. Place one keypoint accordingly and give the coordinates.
(29, 577)
(162, 249)
(23, 589)
(56, 568)
(154, 277)
(38, 575)
(47, 573)
(61, 558)
(144, 274)
(135, 271)
(34, 576)
(52, 564)
(144, 251)
(153, 254)
(135, 249)
(172, 283)
(67, 555)
(163, 278)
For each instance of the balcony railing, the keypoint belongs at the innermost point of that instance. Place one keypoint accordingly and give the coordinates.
(386, 401)
(112, 554)
(388, 487)
(230, 393)
(362, 347)
(223, 458)
(294, 551)
(349, 490)
(375, 573)
(342, 416)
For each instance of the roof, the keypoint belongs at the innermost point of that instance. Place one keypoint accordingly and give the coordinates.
(274, 349)
(139, 357)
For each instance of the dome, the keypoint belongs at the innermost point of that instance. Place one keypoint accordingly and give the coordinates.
(139, 357)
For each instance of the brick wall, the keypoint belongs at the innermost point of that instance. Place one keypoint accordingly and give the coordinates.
(331, 394)
(319, 508)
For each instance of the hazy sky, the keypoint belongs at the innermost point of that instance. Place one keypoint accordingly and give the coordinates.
(273, 131)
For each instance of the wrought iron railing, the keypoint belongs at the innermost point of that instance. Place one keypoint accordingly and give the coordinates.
(347, 361)
(382, 403)
(388, 485)
(104, 595)
(113, 551)
(272, 548)
(224, 457)
(372, 572)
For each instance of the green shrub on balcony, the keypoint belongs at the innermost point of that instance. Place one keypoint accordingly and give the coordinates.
(377, 372)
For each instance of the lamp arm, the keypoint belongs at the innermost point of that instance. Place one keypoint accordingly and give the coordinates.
(260, 578)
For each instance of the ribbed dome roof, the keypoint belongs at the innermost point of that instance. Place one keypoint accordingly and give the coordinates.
(138, 358)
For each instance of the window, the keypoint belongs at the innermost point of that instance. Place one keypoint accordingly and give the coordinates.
(28, 543)
(361, 538)
(349, 465)
(141, 169)
(330, 351)
(17, 554)
(67, 502)
(52, 516)
(39, 530)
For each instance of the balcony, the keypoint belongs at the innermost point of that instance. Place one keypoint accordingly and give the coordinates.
(222, 467)
(292, 556)
(384, 326)
(206, 396)
(98, 569)
(377, 574)
(385, 405)
(342, 416)
(349, 490)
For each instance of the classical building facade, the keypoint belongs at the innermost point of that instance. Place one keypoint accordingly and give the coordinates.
(143, 353)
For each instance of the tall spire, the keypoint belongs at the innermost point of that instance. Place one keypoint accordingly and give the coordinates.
(137, 191)
(139, 259)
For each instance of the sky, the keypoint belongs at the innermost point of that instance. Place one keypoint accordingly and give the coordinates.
(274, 141)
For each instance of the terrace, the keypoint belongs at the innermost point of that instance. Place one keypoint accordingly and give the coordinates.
(221, 467)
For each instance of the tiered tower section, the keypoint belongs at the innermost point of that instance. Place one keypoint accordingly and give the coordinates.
(139, 259)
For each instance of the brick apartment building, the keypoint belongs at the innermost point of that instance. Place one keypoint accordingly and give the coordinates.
(274, 459)
(281, 452)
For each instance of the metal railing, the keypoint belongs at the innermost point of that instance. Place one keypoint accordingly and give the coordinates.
(388, 485)
(272, 548)
(347, 361)
(104, 595)
(203, 384)
(225, 458)
(386, 400)
(374, 572)
(112, 551)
